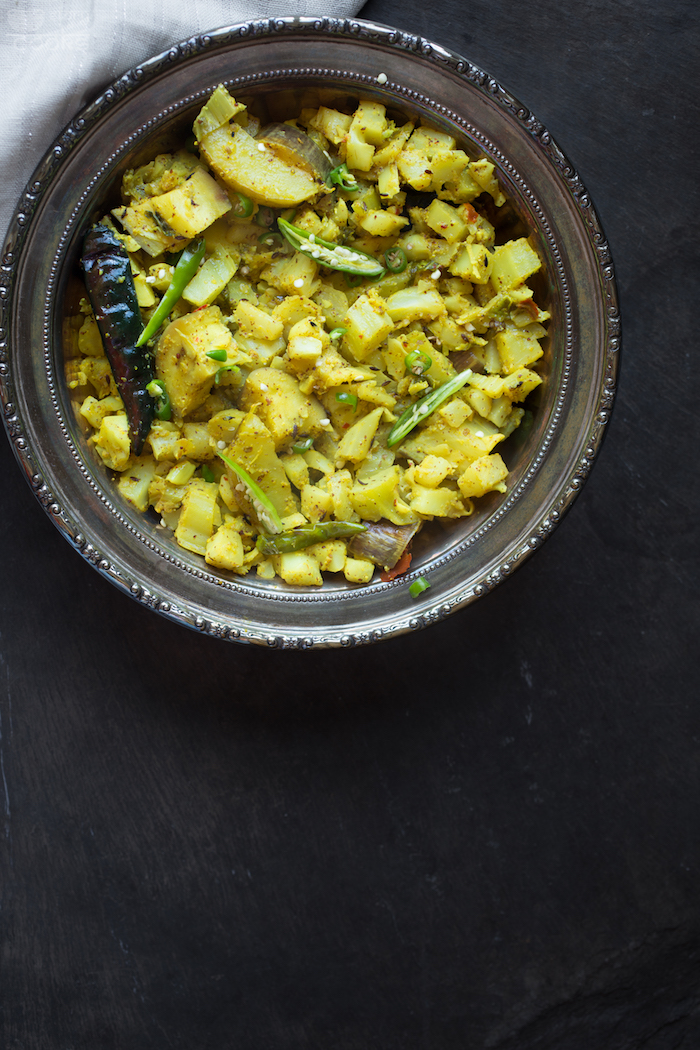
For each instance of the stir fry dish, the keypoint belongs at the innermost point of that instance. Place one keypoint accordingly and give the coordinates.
(299, 342)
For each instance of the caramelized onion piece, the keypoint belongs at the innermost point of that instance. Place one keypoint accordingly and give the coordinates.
(383, 543)
(296, 148)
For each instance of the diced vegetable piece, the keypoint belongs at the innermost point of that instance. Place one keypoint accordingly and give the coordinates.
(512, 263)
(196, 522)
(299, 568)
(255, 322)
(517, 348)
(133, 483)
(331, 123)
(112, 441)
(473, 263)
(418, 303)
(368, 323)
(446, 221)
(254, 449)
(211, 278)
(356, 441)
(358, 570)
(483, 475)
(280, 404)
(437, 502)
(379, 497)
(225, 548)
(181, 357)
(432, 471)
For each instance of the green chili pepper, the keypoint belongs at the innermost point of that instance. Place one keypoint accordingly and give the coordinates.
(185, 270)
(395, 259)
(265, 216)
(272, 237)
(207, 473)
(325, 253)
(217, 355)
(303, 446)
(337, 333)
(343, 178)
(157, 390)
(346, 399)
(263, 504)
(306, 535)
(418, 586)
(417, 412)
(241, 206)
(353, 279)
(418, 362)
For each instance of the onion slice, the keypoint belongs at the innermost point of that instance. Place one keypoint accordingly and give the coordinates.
(383, 543)
(296, 148)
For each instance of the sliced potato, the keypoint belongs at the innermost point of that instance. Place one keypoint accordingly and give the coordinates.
(257, 169)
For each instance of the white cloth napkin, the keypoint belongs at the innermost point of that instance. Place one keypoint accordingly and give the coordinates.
(57, 55)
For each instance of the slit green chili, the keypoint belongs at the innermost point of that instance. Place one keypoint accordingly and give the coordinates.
(417, 412)
(343, 178)
(346, 398)
(418, 362)
(395, 259)
(418, 586)
(350, 261)
(262, 504)
(241, 206)
(186, 268)
(157, 390)
(306, 535)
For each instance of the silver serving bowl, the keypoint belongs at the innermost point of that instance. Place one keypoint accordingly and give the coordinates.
(135, 118)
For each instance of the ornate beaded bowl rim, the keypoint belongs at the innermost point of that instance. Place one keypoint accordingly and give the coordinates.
(82, 504)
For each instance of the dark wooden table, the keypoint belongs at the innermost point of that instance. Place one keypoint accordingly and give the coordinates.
(483, 836)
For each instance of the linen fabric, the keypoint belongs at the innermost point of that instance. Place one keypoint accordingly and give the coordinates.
(57, 55)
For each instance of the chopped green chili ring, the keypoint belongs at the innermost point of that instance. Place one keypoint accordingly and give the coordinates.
(337, 333)
(186, 268)
(350, 261)
(343, 178)
(305, 535)
(303, 446)
(157, 390)
(346, 399)
(207, 473)
(271, 237)
(418, 362)
(225, 368)
(395, 260)
(353, 279)
(265, 216)
(217, 355)
(241, 206)
(262, 504)
(421, 409)
(418, 586)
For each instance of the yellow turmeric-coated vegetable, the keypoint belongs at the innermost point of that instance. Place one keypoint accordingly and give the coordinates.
(297, 362)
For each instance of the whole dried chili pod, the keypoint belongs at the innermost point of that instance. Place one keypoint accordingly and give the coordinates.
(110, 286)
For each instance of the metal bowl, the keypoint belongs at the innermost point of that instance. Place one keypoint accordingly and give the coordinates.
(130, 122)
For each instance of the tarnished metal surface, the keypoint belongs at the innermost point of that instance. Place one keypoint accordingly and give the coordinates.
(126, 125)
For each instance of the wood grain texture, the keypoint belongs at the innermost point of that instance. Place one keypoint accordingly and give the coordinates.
(483, 837)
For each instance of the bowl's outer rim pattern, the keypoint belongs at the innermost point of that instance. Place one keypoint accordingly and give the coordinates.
(427, 611)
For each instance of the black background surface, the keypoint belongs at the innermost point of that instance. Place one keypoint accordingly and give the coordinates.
(481, 836)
